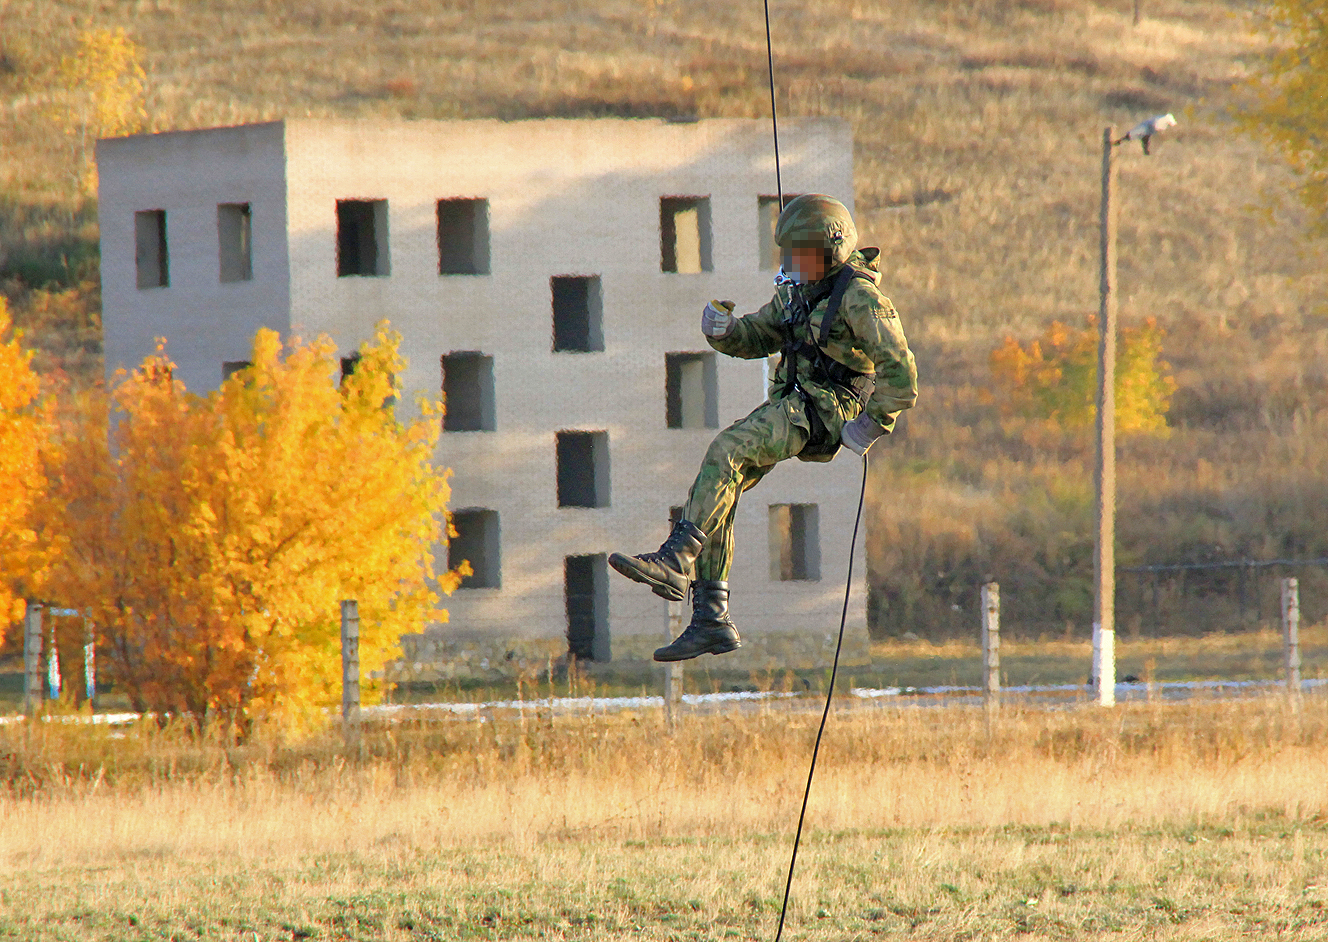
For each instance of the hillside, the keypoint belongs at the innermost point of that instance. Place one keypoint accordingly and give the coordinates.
(977, 130)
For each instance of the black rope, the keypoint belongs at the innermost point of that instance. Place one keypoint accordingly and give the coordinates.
(774, 119)
(857, 521)
(829, 694)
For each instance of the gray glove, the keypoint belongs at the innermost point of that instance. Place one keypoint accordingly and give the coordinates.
(717, 319)
(859, 434)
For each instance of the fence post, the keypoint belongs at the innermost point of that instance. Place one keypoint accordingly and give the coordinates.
(89, 663)
(32, 645)
(1291, 634)
(53, 680)
(991, 643)
(350, 671)
(673, 671)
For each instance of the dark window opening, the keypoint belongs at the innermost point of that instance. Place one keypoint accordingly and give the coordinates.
(468, 392)
(150, 255)
(463, 237)
(577, 314)
(583, 469)
(478, 543)
(691, 397)
(351, 363)
(230, 367)
(795, 542)
(684, 234)
(234, 242)
(767, 211)
(362, 238)
(586, 591)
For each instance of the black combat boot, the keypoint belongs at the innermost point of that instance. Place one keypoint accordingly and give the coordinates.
(667, 570)
(711, 630)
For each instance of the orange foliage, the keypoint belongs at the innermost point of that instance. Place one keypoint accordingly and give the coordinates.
(212, 537)
(1054, 378)
(101, 93)
(23, 425)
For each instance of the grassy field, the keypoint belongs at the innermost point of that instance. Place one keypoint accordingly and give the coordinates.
(1201, 821)
(976, 130)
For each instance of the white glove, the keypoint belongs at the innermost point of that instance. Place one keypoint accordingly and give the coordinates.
(717, 319)
(859, 434)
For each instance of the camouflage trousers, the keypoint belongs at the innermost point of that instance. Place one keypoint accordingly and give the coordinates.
(737, 459)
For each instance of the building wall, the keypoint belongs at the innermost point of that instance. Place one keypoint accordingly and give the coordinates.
(568, 198)
(187, 173)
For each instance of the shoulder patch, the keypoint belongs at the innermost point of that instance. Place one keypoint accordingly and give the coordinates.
(864, 297)
(885, 310)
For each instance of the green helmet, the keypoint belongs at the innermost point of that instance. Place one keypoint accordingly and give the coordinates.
(818, 221)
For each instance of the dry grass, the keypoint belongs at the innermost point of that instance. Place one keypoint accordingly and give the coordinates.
(977, 127)
(1202, 821)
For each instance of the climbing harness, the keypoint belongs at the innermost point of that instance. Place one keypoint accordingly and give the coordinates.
(797, 320)
(841, 284)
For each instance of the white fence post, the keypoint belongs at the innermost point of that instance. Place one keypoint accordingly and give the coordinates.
(1291, 634)
(89, 663)
(991, 643)
(673, 671)
(350, 670)
(53, 679)
(32, 645)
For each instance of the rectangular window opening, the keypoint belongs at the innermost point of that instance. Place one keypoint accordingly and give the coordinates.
(235, 249)
(684, 234)
(478, 543)
(577, 314)
(351, 363)
(586, 591)
(583, 469)
(150, 255)
(795, 542)
(230, 367)
(691, 398)
(468, 392)
(463, 237)
(362, 238)
(767, 212)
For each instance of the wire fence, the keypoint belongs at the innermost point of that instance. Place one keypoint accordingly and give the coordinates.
(1152, 600)
(1236, 595)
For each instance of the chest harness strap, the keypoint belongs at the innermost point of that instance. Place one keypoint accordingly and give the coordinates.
(797, 322)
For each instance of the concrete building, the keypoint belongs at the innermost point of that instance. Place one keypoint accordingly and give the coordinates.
(549, 275)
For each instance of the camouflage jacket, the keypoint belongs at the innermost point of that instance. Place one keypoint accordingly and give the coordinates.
(865, 337)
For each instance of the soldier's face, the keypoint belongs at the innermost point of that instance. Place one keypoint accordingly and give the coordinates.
(808, 263)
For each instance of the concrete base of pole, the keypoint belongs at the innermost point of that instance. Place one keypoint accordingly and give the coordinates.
(1104, 665)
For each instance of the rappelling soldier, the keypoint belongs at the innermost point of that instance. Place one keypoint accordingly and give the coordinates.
(844, 374)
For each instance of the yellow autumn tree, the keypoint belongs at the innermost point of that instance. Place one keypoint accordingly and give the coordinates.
(23, 430)
(212, 537)
(1054, 378)
(99, 92)
(1290, 87)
